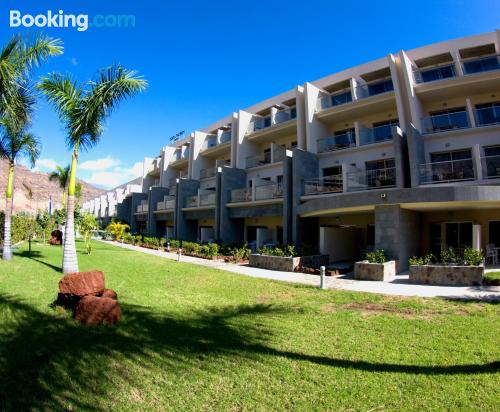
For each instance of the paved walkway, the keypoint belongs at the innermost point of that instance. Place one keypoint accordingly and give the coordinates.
(399, 287)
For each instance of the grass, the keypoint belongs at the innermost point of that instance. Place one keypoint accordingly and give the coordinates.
(194, 338)
(492, 278)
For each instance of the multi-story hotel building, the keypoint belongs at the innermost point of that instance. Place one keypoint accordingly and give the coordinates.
(401, 153)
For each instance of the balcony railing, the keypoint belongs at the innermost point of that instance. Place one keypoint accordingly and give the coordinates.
(437, 72)
(278, 154)
(447, 171)
(447, 121)
(374, 88)
(168, 203)
(241, 195)
(375, 134)
(259, 160)
(207, 199)
(192, 201)
(180, 155)
(210, 141)
(487, 116)
(335, 99)
(371, 179)
(481, 64)
(143, 207)
(225, 137)
(207, 173)
(259, 123)
(328, 184)
(491, 167)
(268, 191)
(338, 142)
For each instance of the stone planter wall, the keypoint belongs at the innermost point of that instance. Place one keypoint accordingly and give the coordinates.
(287, 264)
(375, 271)
(447, 275)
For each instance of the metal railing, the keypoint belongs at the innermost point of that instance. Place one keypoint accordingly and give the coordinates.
(207, 173)
(319, 186)
(487, 116)
(447, 121)
(447, 171)
(371, 179)
(207, 199)
(375, 134)
(335, 99)
(241, 195)
(268, 191)
(491, 167)
(338, 142)
(482, 64)
(437, 72)
(374, 88)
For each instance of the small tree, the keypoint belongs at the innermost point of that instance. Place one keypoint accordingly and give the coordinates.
(117, 229)
(87, 224)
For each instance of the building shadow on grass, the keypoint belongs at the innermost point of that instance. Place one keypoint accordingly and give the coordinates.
(49, 362)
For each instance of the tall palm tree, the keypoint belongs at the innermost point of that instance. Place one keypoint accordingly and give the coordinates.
(61, 175)
(14, 143)
(83, 109)
(18, 58)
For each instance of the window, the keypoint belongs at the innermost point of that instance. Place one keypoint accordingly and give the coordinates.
(452, 166)
(437, 73)
(341, 98)
(279, 181)
(381, 173)
(494, 231)
(481, 64)
(267, 156)
(383, 130)
(488, 113)
(380, 87)
(492, 161)
(458, 235)
(332, 171)
(293, 113)
(344, 138)
(448, 119)
(293, 145)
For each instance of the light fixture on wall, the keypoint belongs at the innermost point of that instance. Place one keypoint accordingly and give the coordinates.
(383, 195)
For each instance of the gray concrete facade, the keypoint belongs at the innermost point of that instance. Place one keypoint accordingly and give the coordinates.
(185, 229)
(156, 195)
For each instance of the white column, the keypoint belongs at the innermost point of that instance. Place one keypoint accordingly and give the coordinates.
(470, 112)
(476, 237)
(476, 160)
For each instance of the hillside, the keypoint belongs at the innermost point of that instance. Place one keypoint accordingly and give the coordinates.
(41, 188)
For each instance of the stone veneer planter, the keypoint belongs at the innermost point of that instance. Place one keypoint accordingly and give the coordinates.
(447, 275)
(375, 271)
(287, 264)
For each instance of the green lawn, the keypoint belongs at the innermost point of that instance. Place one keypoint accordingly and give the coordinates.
(492, 277)
(193, 338)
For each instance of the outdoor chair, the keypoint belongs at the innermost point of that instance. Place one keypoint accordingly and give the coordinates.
(491, 254)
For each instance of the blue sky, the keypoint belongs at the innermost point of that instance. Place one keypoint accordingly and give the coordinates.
(204, 60)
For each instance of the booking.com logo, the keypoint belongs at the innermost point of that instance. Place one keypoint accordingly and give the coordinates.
(61, 20)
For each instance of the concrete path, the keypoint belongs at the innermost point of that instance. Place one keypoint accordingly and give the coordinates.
(399, 287)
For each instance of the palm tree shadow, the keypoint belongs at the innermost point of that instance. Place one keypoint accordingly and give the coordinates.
(48, 361)
(37, 256)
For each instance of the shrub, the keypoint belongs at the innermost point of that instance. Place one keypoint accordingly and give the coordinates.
(118, 229)
(174, 243)
(473, 257)
(448, 256)
(213, 250)
(377, 256)
(425, 260)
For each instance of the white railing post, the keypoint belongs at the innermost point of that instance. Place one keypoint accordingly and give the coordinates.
(322, 284)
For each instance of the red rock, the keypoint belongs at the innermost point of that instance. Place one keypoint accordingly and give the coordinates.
(109, 293)
(93, 310)
(81, 284)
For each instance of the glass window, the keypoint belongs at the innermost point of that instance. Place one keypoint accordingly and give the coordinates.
(344, 137)
(341, 98)
(488, 113)
(452, 166)
(449, 119)
(380, 87)
(492, 160)
(383, 130)
(381, 173)
(482, 64)
(438, 73)
(332, 171)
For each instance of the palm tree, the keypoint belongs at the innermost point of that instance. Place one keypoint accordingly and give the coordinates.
(83, 109)
(14, 143)
(18, 58)
(61, 175)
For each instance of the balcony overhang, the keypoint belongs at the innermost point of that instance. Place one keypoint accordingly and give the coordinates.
(357, 108)
(461, 86)
(217, 151)
(180, 163)
(274, 132)
(254, 203)
(457, 197)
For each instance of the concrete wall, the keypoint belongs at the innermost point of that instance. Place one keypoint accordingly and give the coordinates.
(156, 195)
(136, 199)
(228, 229)
(185, 229)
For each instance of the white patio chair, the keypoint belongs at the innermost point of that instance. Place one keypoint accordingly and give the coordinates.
(491, 254)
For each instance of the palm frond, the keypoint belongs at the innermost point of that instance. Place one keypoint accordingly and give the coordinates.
(30, 147)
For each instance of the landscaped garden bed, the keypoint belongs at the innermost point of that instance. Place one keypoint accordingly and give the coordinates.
(449, 269)
(375, 267)
(287, 259)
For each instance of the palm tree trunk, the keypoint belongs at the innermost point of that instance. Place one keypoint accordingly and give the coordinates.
(70, 260)
(7, 247)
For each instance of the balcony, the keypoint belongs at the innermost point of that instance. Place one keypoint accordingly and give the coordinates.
(487, 116)
(278, 154)
(337, 142)
(192, 201)
(241, 195)
(434, 73)
(212, 141)
(263, 122)
(491, 167)
(143, 207)
(168, 203)
(364, 91)
(447, 172)
(475, 65)
(207, 173)
(325, 185)
(268, 191)
(371, 179)
(446, 121)
(180, 155)
(337, 98)
(204, 198)
(375, 134)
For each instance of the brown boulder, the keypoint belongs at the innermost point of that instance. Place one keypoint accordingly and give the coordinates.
(108, 293)
(93, 310)
(81, 284)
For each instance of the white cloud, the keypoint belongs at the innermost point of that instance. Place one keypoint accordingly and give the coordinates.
(99, 164)
(45, 164)
(108, 179)
(73, 61)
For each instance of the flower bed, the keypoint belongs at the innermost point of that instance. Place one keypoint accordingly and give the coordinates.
(287, 263)
(447, 275)
(366, 270)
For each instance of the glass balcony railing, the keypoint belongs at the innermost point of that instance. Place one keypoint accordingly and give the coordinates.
(225, 137)
(447, 121)
(143, 207)
(447, 171)
(487, 116)
(371, 179)
(180, 155)
(260, 123)
(207, 199)
(491, 167)
(210, 141)
(241, 195)
(268, 191)
(278, 154)
(337, 142)
(374, 88)
(475, 65)
(375, 134)
(259, 160)
(168, 203)
(325, 185)
(438, 72)
(335, 99)
(207, 173)
(192, 201)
